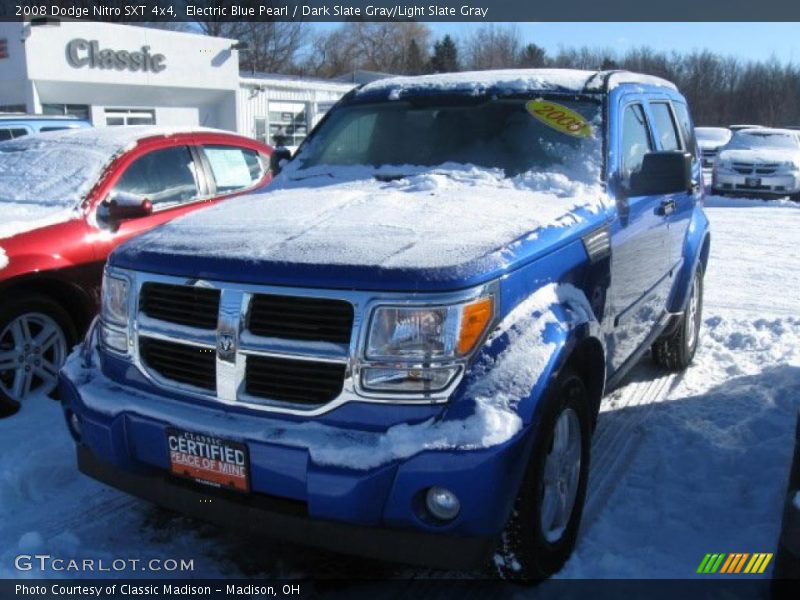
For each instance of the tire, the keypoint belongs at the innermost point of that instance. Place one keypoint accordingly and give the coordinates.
(676, 349)
(532, 549)
(24, 363)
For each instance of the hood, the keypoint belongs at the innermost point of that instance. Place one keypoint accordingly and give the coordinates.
(760, 155)
(329, 230)
(22, 217)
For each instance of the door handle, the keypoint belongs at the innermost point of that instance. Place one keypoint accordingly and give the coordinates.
(667, 207)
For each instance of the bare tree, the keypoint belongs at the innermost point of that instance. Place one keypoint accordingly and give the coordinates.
(492, 47)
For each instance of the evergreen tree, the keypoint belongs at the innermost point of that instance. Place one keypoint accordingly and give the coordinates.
(533, 57)
(415, 60)
(445, 56)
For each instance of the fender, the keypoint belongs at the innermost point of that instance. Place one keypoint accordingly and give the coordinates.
(696, 250)
(529, 350)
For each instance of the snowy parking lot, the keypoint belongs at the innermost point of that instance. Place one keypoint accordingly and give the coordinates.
(681, 466)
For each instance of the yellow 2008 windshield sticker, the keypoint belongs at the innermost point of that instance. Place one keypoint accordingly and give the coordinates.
(560, 118)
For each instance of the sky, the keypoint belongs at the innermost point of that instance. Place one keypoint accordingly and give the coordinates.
(757, 41)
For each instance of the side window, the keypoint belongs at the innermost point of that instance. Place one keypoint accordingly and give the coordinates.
(685, 123)
(636, 140)
(234, 168)
(665, 125)
(10, 134)
(164, 177)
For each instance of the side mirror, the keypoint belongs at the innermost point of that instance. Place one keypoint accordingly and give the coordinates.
(122, 206)
(279, 155)
(662, 173)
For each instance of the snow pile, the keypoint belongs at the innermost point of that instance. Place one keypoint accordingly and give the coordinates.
(44, 178)
(477, 82)
(3, 259)
(508, 81)
(427, 218)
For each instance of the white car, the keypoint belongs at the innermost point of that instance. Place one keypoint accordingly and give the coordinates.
(762, 161)
(710, 140)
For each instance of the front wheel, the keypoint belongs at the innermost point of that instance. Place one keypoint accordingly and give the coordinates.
(675, 350)
(35, 337)
(543, 528)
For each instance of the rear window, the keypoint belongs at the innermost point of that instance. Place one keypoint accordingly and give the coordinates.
(10, 134)
(46, 129)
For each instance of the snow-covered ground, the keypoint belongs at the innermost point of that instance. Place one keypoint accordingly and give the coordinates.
(682, 465)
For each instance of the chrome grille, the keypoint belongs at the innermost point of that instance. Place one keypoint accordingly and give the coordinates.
(299, 363)
(304, 382)
(180, 304)
(293, 318)
(189, 365)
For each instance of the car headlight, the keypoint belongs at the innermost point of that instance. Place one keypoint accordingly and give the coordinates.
(723, 164)
(423, 334)
(423, 348)
(789, 166)
(114, 313)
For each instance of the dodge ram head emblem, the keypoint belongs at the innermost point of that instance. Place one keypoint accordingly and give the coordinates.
(226, 345)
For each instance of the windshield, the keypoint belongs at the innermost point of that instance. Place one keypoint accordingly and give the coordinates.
(56, 173)
(712, 134)
(743, 140)
(498, 134)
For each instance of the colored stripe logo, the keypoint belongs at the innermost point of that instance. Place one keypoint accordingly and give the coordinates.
(735, 563)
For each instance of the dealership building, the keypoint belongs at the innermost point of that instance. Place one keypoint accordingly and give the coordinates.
(114, 74)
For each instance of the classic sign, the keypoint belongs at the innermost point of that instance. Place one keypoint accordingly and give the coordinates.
(87, 53)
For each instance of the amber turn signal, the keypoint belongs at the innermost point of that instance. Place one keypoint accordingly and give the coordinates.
(474, 321)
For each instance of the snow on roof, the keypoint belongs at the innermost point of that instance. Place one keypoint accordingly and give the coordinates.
(512, 80)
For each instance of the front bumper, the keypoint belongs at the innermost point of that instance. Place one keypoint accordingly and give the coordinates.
(284, 521)
(123, 442)
(775, 184)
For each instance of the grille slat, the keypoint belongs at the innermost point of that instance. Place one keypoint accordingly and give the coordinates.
(292, 380)
(180, 304)
(179, 362)
(305, 319)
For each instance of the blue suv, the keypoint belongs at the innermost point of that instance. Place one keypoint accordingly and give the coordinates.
(399, 348)
(13, 125)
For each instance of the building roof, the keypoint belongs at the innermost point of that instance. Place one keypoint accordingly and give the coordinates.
(278, 80)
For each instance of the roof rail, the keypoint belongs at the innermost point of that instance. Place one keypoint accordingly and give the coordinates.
(601, 81)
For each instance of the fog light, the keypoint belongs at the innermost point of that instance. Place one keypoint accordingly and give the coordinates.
(112, 339)
(442, 503)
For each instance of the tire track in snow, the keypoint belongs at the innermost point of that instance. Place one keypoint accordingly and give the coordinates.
(618, 436)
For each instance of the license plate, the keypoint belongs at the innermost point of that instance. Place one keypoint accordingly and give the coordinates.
(208, 459)
(752, 181)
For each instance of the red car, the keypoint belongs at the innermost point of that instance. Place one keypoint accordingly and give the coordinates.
(67, 199)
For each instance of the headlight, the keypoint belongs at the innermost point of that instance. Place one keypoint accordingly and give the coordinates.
(789, 165)
(423, 334)
(422, 349)
(114, 313)
(115, 300)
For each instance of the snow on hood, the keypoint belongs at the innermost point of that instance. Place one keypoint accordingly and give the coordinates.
(429, 218)
(45, 177)
(761, 155)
